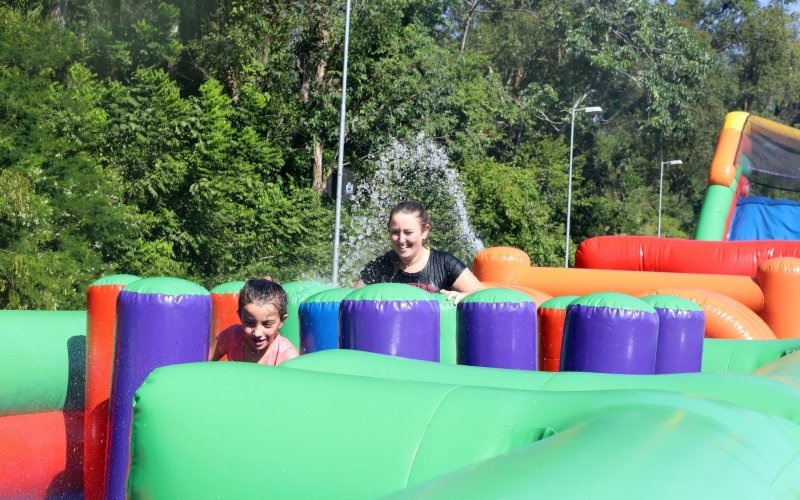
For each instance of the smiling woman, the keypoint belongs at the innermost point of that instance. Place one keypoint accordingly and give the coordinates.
(411, 261)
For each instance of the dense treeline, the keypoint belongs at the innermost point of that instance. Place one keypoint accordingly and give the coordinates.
(193, 138)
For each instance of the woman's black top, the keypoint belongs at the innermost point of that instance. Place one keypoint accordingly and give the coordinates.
(441, 271)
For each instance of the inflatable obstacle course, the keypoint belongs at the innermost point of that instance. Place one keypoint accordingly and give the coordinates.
(48, 428)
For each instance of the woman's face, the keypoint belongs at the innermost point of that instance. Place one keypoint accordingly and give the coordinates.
(407, 235)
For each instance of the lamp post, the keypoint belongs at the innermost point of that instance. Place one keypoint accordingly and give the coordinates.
(590, 109)
(661, 188)
(340, 165)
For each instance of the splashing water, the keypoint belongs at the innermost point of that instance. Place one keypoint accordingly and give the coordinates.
(418, 171)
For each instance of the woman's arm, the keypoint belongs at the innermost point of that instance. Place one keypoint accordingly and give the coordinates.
(465, 284)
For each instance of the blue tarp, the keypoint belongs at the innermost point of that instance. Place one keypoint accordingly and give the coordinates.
(760, 218)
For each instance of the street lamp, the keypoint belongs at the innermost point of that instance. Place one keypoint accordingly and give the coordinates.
(590, 109)
(340, 165)
(661, 188)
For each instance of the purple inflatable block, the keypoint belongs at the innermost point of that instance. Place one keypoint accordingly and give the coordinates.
(497, 335)
(609, 340)
(153, 330)
(680, 341)
(404, 328)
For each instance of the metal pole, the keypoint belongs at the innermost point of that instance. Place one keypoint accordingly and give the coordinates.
(569, 187)
(340, 167)
(660, 191)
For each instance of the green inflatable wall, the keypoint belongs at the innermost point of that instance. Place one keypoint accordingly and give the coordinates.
(744, 356)
(42, 362)
(761, 393)
(301, 431)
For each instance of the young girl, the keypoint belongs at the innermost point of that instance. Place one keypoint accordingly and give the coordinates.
(262, 311)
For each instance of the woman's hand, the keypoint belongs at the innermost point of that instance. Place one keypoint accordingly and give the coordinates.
(453, 295)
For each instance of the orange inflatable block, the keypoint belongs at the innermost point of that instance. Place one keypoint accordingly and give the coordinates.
(558, 281)
(551, 335)
(537, 296)
(101, 319)
(224, 314)
(780, 280)
(499, 264)
(723, 165)
(725, 317)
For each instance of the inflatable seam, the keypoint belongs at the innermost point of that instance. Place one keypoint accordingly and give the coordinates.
(425, 432)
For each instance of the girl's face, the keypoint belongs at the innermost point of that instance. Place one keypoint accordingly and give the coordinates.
(407, 235)
(260, 323)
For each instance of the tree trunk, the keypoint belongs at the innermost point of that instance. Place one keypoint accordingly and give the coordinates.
(317, 184)
(464, 35)
(473, 6)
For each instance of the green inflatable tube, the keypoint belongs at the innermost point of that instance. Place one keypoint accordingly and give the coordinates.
(744, 356)
(289, 433)
(447, 330)
(714, 212)
(653, 450)
(42, 362)
(35, 322)
(786, 370)
(762, 393)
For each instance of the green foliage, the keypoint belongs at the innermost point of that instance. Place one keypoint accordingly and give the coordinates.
(419, 86)
(509, 210)
(51, 188)
(123, 37)
(768, 84)
(179, 138)
(640, 48)
(205, 183)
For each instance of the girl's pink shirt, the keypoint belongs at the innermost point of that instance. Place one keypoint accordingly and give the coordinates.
(231, 342)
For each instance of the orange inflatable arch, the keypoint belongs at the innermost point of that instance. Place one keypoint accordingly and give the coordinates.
(737, 307)
(506, 265)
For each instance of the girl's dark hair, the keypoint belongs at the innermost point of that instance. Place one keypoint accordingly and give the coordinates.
(414, 208)
(262, 291)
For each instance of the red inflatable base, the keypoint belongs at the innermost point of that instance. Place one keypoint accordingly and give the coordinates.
(42, 454)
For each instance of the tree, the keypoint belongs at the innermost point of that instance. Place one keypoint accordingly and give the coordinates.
(521, 207)
(57, 197)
